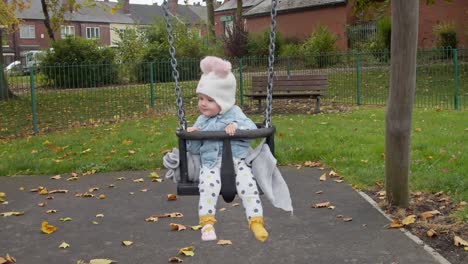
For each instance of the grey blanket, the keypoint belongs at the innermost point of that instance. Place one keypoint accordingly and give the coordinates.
(264, 169)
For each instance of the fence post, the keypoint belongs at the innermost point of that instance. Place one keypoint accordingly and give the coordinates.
(358, 78)
(33, 100)
(241, 83)
(289, 68)
(152, 84)
(455, 76)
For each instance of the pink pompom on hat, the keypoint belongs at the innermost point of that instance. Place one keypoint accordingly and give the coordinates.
(218, 82)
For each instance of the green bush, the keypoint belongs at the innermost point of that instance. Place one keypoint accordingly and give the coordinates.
(259, 44)
(320, 47)
(129, 49)
(78, 62)
(187, 43)
(291, 50)
(381, 43)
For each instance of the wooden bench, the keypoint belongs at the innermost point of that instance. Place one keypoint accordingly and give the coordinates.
(294, 86)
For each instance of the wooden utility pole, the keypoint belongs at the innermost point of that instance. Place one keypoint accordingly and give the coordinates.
(405, 15)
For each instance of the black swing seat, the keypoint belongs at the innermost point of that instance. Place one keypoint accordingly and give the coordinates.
(228, 179)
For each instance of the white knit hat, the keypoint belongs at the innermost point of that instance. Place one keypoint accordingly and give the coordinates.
(218, 82)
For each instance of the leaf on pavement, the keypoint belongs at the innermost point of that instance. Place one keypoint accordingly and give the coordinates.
(175, 260)
(121, 178)
(73, 178)
(157, 180)
(173, 215)
(333, 174)
(410, 219)
(139, 180)
(187, 251)
(64, 245)
(177, 227)
(93, 189)
(65, 219)
(58, 191)
(196, 227)
(323, 177)
(338, 181)
(56, 177)
(43, 192)
(171, 197)
(11, 214)
(321, 205)
(102, 196)
(347, 219)
(151, 219)
(224, 242)
(101, 261)
(47, 229)
(429, 214)
(127, 243)
(52, 211)
(153, 175)
(100, 215)
(7, 259)
(41, 204)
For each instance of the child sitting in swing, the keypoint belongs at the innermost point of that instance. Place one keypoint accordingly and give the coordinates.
(216, 92)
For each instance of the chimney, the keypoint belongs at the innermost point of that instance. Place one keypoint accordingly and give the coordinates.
(172, 5)
(126, 6)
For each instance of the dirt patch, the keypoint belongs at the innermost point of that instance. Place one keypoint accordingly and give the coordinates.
(435, 224)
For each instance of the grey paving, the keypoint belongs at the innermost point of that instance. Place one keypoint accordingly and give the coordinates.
(309, 236)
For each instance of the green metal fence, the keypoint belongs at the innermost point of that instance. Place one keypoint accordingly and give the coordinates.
(62, 96)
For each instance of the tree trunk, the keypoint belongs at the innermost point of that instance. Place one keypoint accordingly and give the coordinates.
(50, 31)
(5, 93)
(239, 11)
(211, 22)
(400, 101)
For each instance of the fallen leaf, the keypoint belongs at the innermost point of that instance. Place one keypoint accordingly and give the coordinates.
(47, 229)
(395, 224)
(87, 195)
(49, 197)
(224, 242)
(101, 261)
(365, 161)
(93, 189)
(153, 175)
(177, 227)
(58, 191)
(143, 190)
(157, 180)
(429, 214)
(187, 251)
(7, 259)
(126, 142)
(95, 223)
(102, 196)
(333, 174)
(127, 243)
(41, 204)
(11, 214)
(151, 219)
(331, 207)
(56, 177)
(321, 205)
(222, 209)
(21, 188)
(323, 177)
(458, 241)
(431, 233)
(171, 197)
(410, 219)
(339, 216)
(318, 192)
(64, 245)
(121, 178)
(100, 215)
(52, 211)
(338, 181)
(175, 260)
(131, 152)
(438, 193)
(43, 192)
(139, 180)
(197, 227)
(347, 219)
(111, 185)
(418, 129)
(65, 219)
(235, 204)
(73, 178)
(312, 164)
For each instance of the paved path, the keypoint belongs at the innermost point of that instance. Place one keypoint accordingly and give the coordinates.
(309, 236)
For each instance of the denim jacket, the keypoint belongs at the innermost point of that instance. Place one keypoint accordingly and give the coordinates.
(210, 150)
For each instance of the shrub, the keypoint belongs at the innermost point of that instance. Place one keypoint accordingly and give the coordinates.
(129, 53)
(235, 42)
(319, 48)
(78, 62)
(259, 44)
(446, 37)
(380, 45)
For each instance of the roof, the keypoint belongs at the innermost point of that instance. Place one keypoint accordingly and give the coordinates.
(289, 5)
(146, 14)
(232, 4)
(99, 14)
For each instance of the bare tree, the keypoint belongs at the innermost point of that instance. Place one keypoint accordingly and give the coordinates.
(401, 98)
(239, 10)
(47, 24)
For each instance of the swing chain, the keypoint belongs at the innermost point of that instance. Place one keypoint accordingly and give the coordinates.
(271, 60)
(175, 72)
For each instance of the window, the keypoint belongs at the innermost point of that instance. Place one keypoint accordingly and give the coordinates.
(28, 32)
(67, 31)
(93, 33)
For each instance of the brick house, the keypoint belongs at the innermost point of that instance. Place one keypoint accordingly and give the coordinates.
(297, 19)
(93, 23)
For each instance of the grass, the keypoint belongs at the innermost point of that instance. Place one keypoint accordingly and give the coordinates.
(351, 143)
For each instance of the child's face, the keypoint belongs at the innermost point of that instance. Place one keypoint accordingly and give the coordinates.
(207, 105)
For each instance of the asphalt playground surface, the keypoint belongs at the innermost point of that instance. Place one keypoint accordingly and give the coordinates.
(310, 235)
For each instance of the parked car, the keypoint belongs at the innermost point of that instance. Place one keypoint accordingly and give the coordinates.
(14, 66)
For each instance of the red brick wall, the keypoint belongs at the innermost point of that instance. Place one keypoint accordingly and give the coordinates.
(301, 24)
(442, 11)
(104, 30)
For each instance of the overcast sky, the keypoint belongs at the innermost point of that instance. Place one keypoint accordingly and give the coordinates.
(149, 2)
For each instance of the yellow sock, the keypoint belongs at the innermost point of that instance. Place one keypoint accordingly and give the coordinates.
(259, 231)
(207, 219)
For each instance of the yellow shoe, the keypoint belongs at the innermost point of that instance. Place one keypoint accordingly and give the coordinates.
(259, 231)
(207, 219)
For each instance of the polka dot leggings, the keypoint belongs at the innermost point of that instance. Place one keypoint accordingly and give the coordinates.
(210, 186)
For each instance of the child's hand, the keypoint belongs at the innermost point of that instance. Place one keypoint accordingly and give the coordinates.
(231, 129)
(191, 129)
